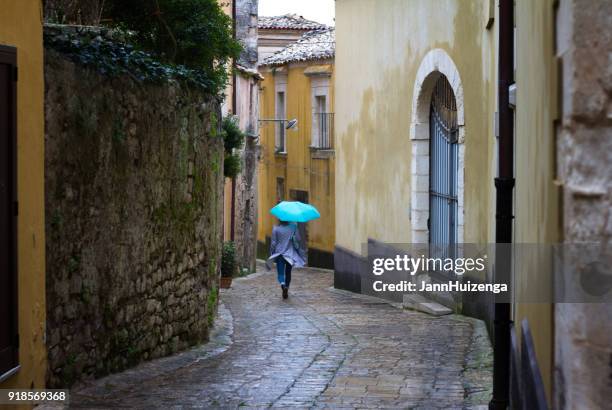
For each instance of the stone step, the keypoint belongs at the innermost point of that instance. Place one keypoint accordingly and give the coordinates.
(421, 304)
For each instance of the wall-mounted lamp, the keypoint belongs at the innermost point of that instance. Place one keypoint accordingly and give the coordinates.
(290, 124)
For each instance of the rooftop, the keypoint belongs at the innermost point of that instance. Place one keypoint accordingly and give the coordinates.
(289, 22)
(314, 45)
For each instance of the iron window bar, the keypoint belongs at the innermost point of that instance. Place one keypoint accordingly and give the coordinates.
(324, 122)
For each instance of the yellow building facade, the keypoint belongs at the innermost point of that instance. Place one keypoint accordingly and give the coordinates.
(22, 340)
(382, 110)
(298, 164)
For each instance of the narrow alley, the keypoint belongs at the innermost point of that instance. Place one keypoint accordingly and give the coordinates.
(320, 348)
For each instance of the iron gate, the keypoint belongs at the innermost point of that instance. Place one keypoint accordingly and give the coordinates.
(443, 155)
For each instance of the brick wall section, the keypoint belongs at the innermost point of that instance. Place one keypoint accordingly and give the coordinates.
(133, 218)
(583, 343)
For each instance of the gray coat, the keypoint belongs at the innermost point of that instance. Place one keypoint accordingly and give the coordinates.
(287, 242)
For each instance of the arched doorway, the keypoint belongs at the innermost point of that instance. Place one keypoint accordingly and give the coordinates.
(443, 169)
(437, 134)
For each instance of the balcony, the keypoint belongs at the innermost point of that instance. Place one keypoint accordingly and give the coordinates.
(323, 131)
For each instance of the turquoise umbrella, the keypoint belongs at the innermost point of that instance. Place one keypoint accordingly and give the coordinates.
(295, 211)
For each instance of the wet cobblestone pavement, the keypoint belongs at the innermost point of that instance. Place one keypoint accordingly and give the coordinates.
(320, 348)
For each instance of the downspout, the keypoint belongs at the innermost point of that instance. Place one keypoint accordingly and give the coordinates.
(504, 185)
(234, 105)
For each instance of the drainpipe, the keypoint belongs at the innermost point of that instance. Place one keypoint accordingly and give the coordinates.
(504, 185)
(234, 105)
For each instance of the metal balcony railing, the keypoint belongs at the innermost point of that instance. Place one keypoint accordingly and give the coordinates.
(324, 128)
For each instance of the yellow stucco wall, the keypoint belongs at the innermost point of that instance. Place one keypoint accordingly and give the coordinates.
(227, 210)
(536, 195)
(226, 6)
(266, 168)
(300, 169)
(376, 67)
(21, 27)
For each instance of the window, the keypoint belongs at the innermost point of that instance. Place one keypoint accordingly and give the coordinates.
(298, 195)
(280, 125)
(9, 343)
(322, 120)
(320, 103)
(322, 124)
(280, 189)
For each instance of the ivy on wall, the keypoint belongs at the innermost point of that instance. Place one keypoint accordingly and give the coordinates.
(184, 39)
(98, 49)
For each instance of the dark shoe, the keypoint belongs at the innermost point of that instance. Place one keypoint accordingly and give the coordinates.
(285, 292)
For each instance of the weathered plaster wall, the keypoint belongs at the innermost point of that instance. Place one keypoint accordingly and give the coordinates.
(246, 31)
(240, 203)
(536, 206)
(134, 206)
(583, 332)
(301, 167)
(21, 27)
(376, 68)
(246, 202)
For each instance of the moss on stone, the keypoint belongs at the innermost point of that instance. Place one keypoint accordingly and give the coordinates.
(212, 304)
(116, 187)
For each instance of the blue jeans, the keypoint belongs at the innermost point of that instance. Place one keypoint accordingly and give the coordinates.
(283, 268)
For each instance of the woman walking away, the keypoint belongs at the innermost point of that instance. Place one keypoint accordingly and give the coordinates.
(287, 251)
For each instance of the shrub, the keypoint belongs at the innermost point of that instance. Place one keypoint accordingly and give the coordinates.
(91, 48)
(228, 260)
(232, 166)
(233, 137)
(193, 33)
(82, 12)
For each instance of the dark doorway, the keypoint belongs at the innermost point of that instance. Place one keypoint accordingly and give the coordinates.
(280, 189)
(9, 344)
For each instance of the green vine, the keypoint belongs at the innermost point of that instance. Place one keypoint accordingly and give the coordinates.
(113, 58)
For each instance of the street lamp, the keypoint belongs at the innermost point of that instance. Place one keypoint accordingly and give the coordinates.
(291, 124)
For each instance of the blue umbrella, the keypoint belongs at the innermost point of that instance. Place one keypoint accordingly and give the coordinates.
(295, 212)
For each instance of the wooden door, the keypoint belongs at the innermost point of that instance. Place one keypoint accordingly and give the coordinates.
(9, 344)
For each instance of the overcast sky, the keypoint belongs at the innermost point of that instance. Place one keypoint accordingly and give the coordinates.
(317, 10)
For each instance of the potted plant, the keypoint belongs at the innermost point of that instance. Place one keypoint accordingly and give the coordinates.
(228, 264)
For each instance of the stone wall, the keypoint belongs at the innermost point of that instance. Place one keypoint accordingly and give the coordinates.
(583, 332)
(134, 175)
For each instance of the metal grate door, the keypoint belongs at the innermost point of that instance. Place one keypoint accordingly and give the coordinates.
(443, 155)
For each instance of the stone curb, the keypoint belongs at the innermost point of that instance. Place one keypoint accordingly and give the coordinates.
(220, 340)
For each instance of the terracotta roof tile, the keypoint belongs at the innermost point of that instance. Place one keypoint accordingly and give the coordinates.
(314, 45)
(289, 22)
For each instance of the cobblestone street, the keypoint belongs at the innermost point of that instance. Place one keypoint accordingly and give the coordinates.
(320, 348)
